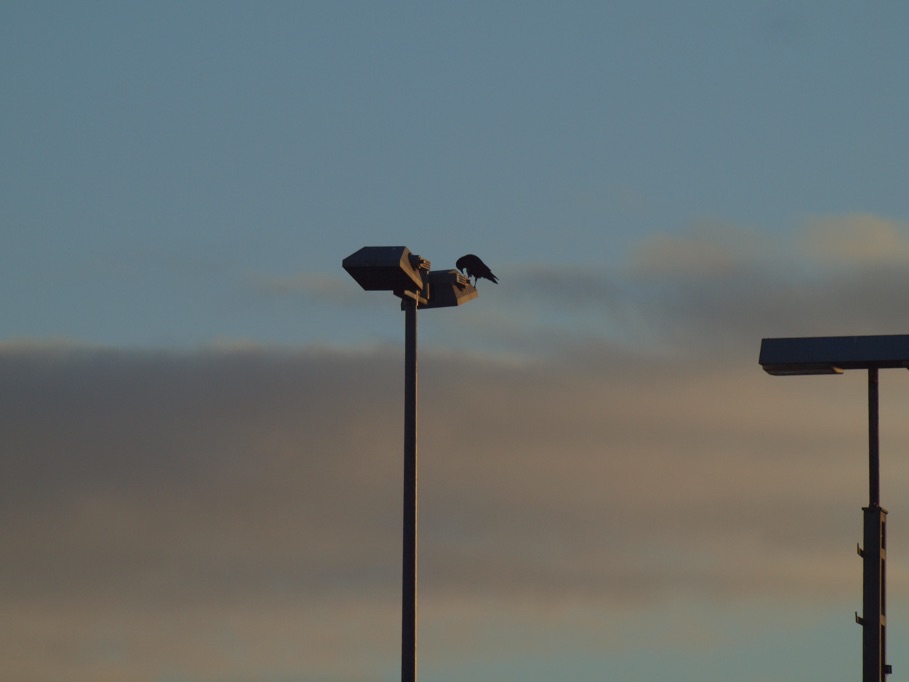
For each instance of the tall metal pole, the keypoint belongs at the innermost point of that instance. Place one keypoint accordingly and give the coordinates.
(396, 269)
(874, 443)
(409, 573)
(874, 554)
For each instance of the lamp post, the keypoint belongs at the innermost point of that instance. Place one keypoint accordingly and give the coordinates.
(834, 355)
(396, 269)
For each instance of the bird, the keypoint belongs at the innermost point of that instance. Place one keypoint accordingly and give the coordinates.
(472, 266)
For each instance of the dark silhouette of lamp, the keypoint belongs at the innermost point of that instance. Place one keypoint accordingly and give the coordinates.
(396, 269)
(834, 355)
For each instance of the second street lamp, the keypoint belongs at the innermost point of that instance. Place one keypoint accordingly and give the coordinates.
(396, 269)
(834, 355)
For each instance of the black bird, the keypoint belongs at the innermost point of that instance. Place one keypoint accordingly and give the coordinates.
(474, 267)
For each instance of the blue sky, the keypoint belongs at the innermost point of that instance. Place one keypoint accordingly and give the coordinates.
(161, 160)
(203, 414)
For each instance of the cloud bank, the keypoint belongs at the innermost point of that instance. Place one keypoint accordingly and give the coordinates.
(715, 288)
(234, 512)
(231, 512)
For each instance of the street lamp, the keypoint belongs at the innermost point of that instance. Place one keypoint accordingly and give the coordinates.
(396, 269)
(834, 355)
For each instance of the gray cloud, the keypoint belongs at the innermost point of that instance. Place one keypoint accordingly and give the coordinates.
(147, 494)
(316, 286)
(573, 286)
(235, 511)
(717, 289)
(835, 275)
(853, 239)
(250, 500)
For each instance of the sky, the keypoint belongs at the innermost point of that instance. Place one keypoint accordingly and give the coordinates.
(200, 471)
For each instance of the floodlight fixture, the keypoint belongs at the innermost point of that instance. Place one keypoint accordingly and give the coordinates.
(448, 288)
(407, 276)
(834, 355)
(387, 268)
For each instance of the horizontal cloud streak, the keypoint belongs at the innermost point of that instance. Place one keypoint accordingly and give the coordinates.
(316, 286)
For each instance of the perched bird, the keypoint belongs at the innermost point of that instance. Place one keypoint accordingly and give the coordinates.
(472, 266)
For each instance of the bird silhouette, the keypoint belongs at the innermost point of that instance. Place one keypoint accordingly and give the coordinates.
(472, 266)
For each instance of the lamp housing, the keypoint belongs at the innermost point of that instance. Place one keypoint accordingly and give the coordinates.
(387, 268)
(833, 354)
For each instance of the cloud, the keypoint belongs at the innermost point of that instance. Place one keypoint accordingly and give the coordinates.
(708, 250)
(832, 276)
(235, 511)
(151, 494)
(572, 286)
(317, 286)
(717, 288)
(856, 240)
(239, 510)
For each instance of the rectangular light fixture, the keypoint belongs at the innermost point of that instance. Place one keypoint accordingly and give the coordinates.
(833, 354)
